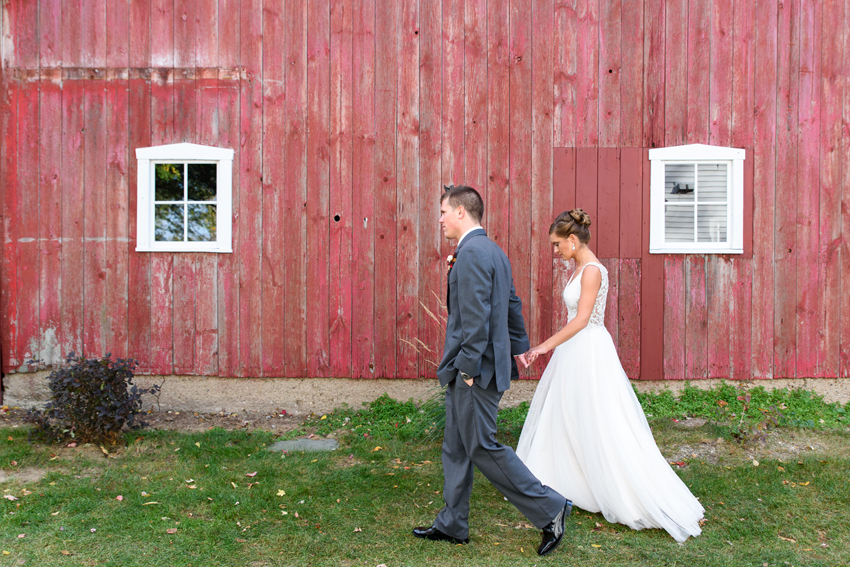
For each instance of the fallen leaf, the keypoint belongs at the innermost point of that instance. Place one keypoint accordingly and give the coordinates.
(252, 474)
(119, 498)
(804, 483)
(54, 513)
(190, 480)
(595, 545)
(378, 448)
(22, 536)
(788, 539)
(323, 417)
(285, 513)
(93, 530)
(171, 531)
(192, 486)
(755, 463)
(7, 552)
(9, 497)
(296, 514)
(145, 493)
(281, 493)
(149, 503)
(197, 444)
(780, 469)
(65, 552)
(72, 445)
(105, 452)
(240, 540)
(14, 463)
(357, 530)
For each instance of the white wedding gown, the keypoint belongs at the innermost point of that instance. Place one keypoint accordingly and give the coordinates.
(586, 435)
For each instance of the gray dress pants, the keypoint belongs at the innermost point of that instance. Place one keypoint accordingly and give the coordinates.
(470, 439)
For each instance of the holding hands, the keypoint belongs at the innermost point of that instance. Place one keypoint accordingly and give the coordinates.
(527, 358)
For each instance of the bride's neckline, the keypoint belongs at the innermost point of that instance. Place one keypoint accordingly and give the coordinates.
(579, 271)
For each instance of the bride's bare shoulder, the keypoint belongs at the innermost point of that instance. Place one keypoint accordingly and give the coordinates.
(591, 275)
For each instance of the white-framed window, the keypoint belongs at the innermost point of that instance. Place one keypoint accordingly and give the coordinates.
(696, 200)
(184, 198)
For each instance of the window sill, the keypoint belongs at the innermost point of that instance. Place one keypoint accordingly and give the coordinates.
(696, 251)
(187, 249)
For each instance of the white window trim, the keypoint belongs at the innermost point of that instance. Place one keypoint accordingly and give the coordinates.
(184, 153)
(697, 153)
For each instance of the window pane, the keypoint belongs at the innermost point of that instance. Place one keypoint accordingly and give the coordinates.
(202, 181)
(711, 223)
(679, 183)
(679, 223)
(201, 223)
(169, 182)
(713, 184)
(169, 223)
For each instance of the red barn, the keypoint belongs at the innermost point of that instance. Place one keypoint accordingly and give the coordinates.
(249, 188)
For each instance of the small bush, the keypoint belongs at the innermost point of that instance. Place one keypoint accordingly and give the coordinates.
(92, 400)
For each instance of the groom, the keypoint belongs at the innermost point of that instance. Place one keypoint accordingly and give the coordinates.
(484, 329)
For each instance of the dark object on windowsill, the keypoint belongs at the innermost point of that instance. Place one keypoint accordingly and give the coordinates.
(678, 189)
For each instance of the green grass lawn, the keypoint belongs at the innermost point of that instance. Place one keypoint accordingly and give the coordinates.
(221, 498)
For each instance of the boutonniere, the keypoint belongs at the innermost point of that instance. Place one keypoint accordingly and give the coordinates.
(450, 261)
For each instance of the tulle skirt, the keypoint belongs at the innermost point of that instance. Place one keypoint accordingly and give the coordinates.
(586, 436)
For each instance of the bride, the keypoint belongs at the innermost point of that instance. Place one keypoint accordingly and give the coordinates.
(586, 435)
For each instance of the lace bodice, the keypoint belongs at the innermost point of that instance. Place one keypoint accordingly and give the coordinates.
(572, 293)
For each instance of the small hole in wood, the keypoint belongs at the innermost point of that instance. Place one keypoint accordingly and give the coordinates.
(336, 218)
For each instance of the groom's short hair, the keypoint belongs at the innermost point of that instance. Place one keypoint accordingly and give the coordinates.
(467, 197)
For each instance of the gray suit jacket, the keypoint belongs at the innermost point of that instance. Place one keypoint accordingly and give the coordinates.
(485, 328)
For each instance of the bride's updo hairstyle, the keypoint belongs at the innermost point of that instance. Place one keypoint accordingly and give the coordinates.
(575, 222)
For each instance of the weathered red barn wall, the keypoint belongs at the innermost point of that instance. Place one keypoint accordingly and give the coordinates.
(364, 109)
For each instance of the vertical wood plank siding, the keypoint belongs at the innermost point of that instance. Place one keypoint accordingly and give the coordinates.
(348, 117)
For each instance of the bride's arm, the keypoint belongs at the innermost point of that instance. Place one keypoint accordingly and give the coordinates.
(591, 281)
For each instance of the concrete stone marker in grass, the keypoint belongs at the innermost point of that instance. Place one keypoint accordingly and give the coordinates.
(305, 445)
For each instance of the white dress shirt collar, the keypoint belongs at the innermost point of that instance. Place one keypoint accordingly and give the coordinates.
(465, 233)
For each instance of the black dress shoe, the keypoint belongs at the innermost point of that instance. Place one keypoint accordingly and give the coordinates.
(553, 533)
(433, 533)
